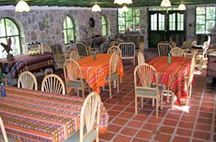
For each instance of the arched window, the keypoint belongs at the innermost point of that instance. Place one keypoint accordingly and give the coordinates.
(104, 26)
(69, 30)
(9, 29)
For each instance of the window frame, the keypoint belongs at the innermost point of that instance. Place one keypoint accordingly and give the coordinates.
(8, 36)
(205, 19)
(133, 21)
(67, 29)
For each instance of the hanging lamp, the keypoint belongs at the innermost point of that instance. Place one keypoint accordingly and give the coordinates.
(165, 3)
(96, 8)
(123, 2)
(181, 7)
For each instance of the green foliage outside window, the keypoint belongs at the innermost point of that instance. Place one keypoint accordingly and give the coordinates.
(104, 27)
(205, 19)
(9, 29)
(69, 30)
(129, 21)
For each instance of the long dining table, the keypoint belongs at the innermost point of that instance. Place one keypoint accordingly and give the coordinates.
(173, 75)
(35, 116)
(95, 71)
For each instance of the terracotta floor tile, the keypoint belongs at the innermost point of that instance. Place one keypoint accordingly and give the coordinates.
(120, 138)
(205, 115)
(154, 120)
(113, 113)
(162, 137)
(113, 128)
(151, 127)
(165, 129)
(140, 117)
(203, 127)
(139, 140)
(126, 115)
(170, 122)
(188, 118)
(107, 136)
(205, 120)
(184, 132)
(144, 134)
(128, 131)
(186, 125)
(135, 124)
(173, 116)
(202, 135)
(119, 121)
(180, 139)
(117, 108)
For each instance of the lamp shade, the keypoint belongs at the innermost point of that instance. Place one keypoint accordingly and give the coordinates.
(165, 3)
(122, 1)
(181, 7)
(124, 8)
(22, 6)
(96, 8)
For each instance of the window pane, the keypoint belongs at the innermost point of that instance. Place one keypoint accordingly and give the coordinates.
(154, 22)
(180, 22)
(11, 28)
(172, 22)
(3, 40)
(15, 45)
(161, 22)
(200, 19)
(200, 10)
(2, 28)
(69, 30)
(209, 25)
(210, 12)
(200, 29)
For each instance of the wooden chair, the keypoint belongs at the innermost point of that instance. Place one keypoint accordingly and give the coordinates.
(27, 80)
(4, 137)
(46, 48)
(140, 58)
(190, 78)
(176, 51)
(53, 83)
(113, 72)
(82, 49)
(173, 44)
(73, 76)
(144, 75)
(128, 51)
(163, 48)
(74, 55)
(114, 49)
(89, 120)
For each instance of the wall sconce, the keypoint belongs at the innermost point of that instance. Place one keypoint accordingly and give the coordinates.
(22, 6)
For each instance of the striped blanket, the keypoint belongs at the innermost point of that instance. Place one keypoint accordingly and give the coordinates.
(173, 75)
(38, 116)
(30, 63)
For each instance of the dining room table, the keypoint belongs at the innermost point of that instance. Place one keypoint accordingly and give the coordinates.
(35, 116)
(173, 75)
(94, 71)
(27, 63)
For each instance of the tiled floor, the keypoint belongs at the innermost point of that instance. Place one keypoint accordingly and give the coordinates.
(196, 125)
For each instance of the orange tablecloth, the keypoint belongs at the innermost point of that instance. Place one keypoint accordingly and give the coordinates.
(173, 75)
(95, 71)
(38, 116)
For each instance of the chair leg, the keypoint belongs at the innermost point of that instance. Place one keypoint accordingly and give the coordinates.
(110, 90)
(135, 105)
(153, 102)
(157, 107)
(172, 105)
(161, 101)
(83, 92)
(117, 85)
(141, 102)
(77, 90)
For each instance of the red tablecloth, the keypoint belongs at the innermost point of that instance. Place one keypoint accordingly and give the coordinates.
(26, 62)
(38, 116)
(95, 71)
(173, 75)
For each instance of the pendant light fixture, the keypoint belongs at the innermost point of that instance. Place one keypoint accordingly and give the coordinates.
(165, 3)
(96, 8)
(123, 2)
(124, 8)
(181, 7)
(22, 6)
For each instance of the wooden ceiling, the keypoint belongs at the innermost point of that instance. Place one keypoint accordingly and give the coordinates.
(103, 3)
